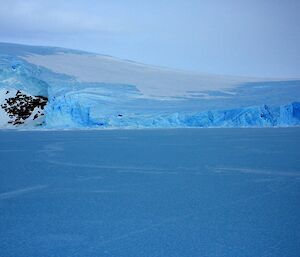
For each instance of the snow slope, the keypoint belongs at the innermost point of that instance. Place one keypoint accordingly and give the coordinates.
(85, 90)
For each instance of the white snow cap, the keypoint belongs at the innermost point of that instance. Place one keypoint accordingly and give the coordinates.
(151, 81)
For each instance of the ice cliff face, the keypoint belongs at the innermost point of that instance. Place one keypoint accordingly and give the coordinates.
(60, 88)
(75, 114)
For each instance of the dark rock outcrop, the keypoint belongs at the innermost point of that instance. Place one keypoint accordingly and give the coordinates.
(20, 107)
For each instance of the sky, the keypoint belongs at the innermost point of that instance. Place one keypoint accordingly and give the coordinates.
(259, 38)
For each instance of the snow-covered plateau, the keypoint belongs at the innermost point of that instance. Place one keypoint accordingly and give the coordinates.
(58, 88)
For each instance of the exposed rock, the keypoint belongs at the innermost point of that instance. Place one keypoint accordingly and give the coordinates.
(20, 107)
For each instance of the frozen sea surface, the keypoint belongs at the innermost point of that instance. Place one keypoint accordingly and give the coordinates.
(138, 193)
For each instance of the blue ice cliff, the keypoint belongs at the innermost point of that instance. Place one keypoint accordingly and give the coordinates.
(59, 88)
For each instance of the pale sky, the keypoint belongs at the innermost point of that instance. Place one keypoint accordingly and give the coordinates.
(258, 38)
